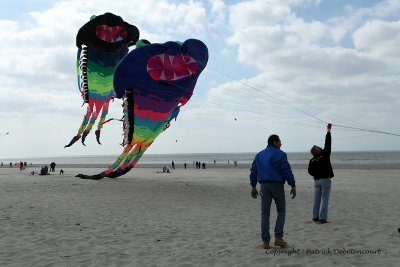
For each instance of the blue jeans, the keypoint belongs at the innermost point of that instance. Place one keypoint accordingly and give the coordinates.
(322, 190)
(275, 191)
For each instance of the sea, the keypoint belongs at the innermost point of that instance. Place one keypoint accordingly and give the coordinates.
(358, 158)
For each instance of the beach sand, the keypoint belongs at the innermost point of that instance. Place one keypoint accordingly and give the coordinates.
(192, 218)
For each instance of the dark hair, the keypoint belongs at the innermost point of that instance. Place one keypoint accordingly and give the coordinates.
(272, 138)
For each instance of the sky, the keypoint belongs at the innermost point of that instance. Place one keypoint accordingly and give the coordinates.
(275, 67)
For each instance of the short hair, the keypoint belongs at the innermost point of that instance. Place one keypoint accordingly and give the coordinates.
(315, 147)
(272, 138)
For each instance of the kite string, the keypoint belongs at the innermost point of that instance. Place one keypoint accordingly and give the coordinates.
(373, 130)
(253, 87)
(275, 98)
(365, 130)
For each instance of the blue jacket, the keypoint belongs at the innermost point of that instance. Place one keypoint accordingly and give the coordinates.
(271, 165)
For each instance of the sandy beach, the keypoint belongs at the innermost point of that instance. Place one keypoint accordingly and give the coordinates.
(192, 218)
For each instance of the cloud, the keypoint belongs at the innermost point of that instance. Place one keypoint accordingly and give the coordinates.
(302, 63)
(380, 38)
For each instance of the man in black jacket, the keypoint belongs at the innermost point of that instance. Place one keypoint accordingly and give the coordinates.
(321, 169)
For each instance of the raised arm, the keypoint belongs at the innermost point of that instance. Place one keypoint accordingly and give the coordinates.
(328, 139)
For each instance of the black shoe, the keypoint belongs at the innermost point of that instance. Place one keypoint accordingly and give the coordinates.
(322, 221)
(315, 219)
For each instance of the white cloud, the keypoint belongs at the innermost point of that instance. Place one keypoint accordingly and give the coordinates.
(258, 13)
(308, 33)
(380, 38)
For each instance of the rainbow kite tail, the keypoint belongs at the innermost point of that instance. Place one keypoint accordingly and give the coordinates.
(81, 128)
(101, 121)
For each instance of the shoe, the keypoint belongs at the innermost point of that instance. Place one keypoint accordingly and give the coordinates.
(264, 245)
(280, 242)
(315, 219)
(322, 221)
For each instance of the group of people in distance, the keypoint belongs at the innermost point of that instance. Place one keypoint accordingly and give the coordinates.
(46, 171)
(271, 170)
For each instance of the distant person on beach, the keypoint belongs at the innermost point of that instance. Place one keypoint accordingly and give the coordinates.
(165, 169)
(185, 165)
(44, 170)
(320, 168)
(52, 167)
(173, 165)
(271, 170)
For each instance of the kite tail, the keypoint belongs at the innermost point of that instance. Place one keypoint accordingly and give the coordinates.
(89, 125)
(124, 163)
(129, 163)
(110, 169)
(81, 128)
(101, 121)
(74, 139)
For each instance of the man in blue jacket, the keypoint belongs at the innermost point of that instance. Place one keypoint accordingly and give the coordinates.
(271, 170)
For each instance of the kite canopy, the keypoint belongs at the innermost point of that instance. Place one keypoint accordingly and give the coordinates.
(107, 32)
(170, 67)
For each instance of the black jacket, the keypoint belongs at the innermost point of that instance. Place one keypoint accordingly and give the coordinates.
(320, 165)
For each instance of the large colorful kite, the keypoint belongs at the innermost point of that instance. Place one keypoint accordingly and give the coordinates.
(102, 43)
(154, 81)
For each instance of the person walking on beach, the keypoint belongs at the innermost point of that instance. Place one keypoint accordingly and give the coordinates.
(271, 170)
(52, 166)
(320, 168)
